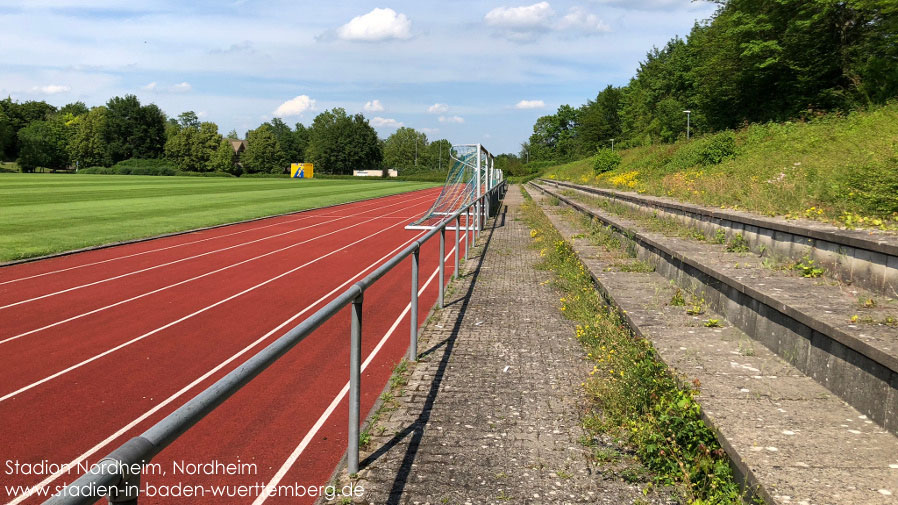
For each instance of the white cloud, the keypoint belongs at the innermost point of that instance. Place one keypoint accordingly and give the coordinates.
(374, 106)
(181, 87)
(652, 4)
(51, 89)
(438, 108)
(429, 131)
(526, 23)
(379, 24)
(578, 19)
(295, 106)
(530, 17)
(530, 104)
(452, 119)
(149, 87)
(383, 122)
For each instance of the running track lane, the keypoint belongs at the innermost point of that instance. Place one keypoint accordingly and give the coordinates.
(93, 331)
(115, 397)
(78, 273)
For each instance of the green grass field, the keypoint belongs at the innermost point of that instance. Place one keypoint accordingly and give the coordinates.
(48, 213)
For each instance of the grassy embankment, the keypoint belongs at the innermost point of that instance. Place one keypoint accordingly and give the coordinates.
(46, 213)
(633, 397)
(836, 168)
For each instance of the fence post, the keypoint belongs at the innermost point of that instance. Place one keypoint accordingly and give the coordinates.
(355, 372)
(457, 248)
(413, 344)
(468, 231)
(442, 265)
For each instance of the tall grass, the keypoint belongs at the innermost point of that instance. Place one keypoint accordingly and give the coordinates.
(838, 168)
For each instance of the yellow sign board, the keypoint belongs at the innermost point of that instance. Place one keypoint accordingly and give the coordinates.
(302, 170)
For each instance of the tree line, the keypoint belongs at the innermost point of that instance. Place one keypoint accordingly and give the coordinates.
(37, 134)
(753, 61)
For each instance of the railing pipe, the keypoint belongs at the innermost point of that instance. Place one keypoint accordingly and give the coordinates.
(413, 314)
(355, 386)
(442, 285)
(455, 273)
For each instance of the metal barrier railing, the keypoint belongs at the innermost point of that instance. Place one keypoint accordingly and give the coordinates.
(117, 476)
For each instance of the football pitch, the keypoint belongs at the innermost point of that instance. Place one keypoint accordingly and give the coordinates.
(48, 213)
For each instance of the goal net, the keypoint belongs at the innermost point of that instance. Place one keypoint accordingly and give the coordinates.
(466, 180)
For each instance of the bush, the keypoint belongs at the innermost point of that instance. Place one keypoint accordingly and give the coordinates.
(718, 148)
(264, 175)
(137, 166)
(147, 167)
(183, 173)
(705, 151)
(605, 160)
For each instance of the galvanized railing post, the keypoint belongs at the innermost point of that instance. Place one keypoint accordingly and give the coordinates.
(413, 344)
(355, 373)
(457, 249)
(468, 231)
(442, 265)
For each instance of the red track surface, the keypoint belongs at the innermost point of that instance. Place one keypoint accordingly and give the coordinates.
(98, 346)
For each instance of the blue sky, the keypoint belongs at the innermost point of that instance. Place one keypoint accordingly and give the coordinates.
(469, 71)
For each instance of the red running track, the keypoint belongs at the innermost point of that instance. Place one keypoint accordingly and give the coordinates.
(96, 347)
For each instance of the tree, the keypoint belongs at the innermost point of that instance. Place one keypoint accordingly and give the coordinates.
(132, 130)
(192, 146)
(74, 108)
(263, 152)
(339, 143)
(224, 159)
(188, 119)
(7, 135)
(406, 150)
(233, 135)
(18, 116)
(554, 136)
(600, 121)
(43, 144)
(438, 155)
(87, 146)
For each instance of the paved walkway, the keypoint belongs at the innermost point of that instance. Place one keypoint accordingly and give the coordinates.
(491, 411)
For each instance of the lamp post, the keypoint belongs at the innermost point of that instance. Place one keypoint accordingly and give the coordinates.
(688, 114)
(612, 145)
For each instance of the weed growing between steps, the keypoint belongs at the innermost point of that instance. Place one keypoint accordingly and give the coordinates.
(633, 396)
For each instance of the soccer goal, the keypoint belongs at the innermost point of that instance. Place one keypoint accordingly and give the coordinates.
(471, 175)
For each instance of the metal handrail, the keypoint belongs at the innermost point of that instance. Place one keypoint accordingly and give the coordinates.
(117, 476)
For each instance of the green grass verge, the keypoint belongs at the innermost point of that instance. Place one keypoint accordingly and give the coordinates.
(633, 395)
(836, 168)
(46, 213)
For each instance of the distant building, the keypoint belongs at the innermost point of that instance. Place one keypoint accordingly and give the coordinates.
(238, 145)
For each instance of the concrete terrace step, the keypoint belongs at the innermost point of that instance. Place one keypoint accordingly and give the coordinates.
(809, 322)
(787, 436)
(866, 257)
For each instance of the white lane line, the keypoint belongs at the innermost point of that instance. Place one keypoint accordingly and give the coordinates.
(282, 471)
(108, 440)
(307, 214)
(189, 316)
(41, 297)
(143, 295)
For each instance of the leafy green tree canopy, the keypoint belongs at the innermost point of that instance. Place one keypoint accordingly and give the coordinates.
(340, 143)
